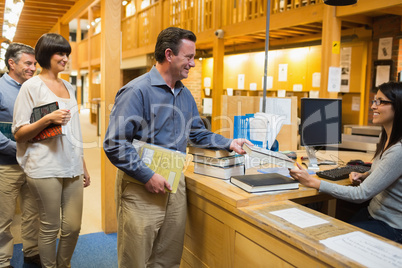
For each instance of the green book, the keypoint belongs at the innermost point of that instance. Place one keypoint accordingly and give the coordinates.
(5, 128)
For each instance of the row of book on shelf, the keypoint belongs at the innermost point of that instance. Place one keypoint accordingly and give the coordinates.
(226, 165)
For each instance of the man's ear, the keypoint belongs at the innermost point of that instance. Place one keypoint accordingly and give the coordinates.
(169, 54)
(11, 63)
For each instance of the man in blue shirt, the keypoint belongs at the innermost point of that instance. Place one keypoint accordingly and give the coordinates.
(156, 108)
(21, 63)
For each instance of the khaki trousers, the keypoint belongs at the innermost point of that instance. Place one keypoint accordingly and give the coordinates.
(150, 226)
(12, 183)
(60, 209)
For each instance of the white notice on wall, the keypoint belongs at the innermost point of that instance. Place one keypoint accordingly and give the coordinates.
(382, 74)
(282, 93)
(283, 72)
(278, 106)
(385, 48)
(346, 60)
(270, 82)
(355, 103)
(297, 87)
(207, 82)
(253, 86)
(365, 249)
(207, 106)
(299, 217)
(314, 94)
(334, 79)
(240, 81)
(316, 79)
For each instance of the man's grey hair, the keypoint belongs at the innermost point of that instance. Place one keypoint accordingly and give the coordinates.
(14, 52)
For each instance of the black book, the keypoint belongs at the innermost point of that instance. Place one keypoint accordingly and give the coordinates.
(264, 182)
(52, 130)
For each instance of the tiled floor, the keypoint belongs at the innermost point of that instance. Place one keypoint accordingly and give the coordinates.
(91, 220)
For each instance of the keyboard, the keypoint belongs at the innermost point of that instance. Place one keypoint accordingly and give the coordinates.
(341, 173)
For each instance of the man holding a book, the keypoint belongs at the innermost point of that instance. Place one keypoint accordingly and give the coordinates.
(156, 108)
(21, 63)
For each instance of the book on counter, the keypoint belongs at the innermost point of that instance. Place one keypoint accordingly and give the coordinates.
(217, 171)
(264, 182)
(209, 152)
(52, 130)
(264, 156)
(5, 128)
(163, 161)
(221, 161)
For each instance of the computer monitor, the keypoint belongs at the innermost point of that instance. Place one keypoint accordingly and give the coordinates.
(321, 123)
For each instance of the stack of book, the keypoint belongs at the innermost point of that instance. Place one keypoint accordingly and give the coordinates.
(217, 163)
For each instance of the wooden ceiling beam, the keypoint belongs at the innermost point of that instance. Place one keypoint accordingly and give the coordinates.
(394, 10)
(51, 2)
(53, 6)
(47, 7)
(360, 19)
(75, 11)
(32, 17)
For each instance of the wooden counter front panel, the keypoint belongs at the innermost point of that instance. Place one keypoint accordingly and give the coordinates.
(217, 238)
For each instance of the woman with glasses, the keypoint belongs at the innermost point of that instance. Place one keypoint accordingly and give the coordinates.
(383, 183)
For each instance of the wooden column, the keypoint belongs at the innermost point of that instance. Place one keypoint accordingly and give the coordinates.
(92, 117)
(79, 85)
(217, 87)
(218, 54)
(331, 42)
(110, 84)
(64, 30)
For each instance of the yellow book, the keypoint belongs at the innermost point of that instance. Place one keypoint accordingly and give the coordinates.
(165, 162)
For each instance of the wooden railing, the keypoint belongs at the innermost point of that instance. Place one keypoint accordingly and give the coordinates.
(141, 29)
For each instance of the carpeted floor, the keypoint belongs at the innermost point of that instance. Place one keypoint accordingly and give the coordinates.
(96, 250)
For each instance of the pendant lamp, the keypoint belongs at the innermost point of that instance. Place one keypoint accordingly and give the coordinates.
(340, 2)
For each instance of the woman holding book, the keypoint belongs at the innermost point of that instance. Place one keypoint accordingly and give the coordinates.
(55, 167)
(383, 183)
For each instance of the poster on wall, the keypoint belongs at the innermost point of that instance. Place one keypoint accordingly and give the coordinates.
(270, 82)
(382, 74)
(346, 59)
(240, 81)
(355, 104)
(334, 79)
(207, 82)
(283, 73)
(316, 79)
(385, 48)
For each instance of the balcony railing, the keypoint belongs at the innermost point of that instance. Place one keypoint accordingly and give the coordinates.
(140, 30)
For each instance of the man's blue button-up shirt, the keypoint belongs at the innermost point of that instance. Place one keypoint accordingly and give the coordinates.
(147, 109)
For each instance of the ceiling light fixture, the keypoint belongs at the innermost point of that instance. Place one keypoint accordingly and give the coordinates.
(12, 12)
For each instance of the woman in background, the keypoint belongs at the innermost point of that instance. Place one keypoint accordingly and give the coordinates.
(55, 167)
(383, 183)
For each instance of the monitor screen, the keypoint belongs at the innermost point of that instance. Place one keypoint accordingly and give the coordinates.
(321, 122)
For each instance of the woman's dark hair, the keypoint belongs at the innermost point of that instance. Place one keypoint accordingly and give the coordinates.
(49, 44)
(393, 91)
(171, 38)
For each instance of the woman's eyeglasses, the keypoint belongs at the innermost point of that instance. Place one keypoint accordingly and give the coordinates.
(379, 102)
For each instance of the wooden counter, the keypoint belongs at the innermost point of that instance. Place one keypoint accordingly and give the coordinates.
(228, 227)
